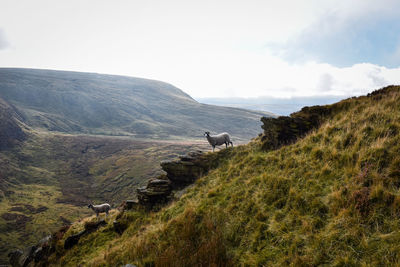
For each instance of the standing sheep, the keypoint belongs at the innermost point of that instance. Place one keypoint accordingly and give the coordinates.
(219, 139)
(100, 208)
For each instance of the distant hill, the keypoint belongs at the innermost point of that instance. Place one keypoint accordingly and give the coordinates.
(75, 102)
(10, 128)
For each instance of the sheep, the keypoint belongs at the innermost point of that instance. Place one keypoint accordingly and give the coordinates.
(100, 208)
(219, 139)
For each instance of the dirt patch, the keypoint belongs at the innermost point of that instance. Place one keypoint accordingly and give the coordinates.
(41, 209)
(26, 208)
(65, 220)
(16, 220)
(17, 208)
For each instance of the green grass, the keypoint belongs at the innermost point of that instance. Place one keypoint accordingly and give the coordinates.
(331, 198)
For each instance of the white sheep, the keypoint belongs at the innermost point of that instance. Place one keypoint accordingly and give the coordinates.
(100, 208)
(219, 139)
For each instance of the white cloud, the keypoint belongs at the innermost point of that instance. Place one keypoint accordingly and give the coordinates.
(3, 40)
(347, 33)
(207, 48)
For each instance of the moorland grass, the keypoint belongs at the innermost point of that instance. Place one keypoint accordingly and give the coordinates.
(331, 198)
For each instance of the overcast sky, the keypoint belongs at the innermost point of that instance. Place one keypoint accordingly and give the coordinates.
(213, 48)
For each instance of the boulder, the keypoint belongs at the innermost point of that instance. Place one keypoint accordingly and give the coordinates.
(36, 252)
(130, 204)
(156, 191)
(186, 169)
(119, 227)
(73, 240)
(14, 257)
(93, 226)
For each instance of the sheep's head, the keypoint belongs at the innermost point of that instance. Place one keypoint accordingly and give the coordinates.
(90, 206)
(206, 133)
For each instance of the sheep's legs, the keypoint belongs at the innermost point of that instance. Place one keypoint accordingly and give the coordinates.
(213, 148)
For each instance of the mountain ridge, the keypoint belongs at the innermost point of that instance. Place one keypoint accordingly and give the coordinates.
(92, 103)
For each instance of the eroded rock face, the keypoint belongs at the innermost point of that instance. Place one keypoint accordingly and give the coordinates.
(19, 258)
(73, 240)
(285, 130)
(187, 168)
(180, 173)
(156, 191)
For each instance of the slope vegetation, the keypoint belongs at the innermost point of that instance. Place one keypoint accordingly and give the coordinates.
(11, 132)
(75, 102)
(329, 198)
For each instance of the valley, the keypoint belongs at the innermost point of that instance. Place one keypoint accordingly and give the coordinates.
(68, 139)
(48, 180)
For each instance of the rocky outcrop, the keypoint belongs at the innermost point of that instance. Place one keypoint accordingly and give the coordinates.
(285, 130)
(179, 173)
(156, 191)
(119, 227)
(40, 252)
(36, 253)
(128, 205)
(187, 168)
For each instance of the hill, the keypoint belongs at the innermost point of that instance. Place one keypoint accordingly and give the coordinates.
(10, 126)
(323, 190)
(90, 103)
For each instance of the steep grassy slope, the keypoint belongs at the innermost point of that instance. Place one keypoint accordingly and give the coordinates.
(10, 126)
(331, 198)
(92, 103)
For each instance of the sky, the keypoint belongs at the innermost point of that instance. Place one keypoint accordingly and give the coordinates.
(219, 48)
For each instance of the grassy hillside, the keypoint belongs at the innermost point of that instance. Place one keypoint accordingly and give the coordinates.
(11, 132)
(47, 180)
(331, 198)
(75, 102)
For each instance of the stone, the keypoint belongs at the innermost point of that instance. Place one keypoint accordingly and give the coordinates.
(93, 226)
(73, 240)
(14, 257)
(119, 227)
(156, 191)
(39, 253)
(186, 169)
(130, 204)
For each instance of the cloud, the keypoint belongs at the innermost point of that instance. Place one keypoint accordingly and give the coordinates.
(325, 82)
(350, 34)
(3, 41)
